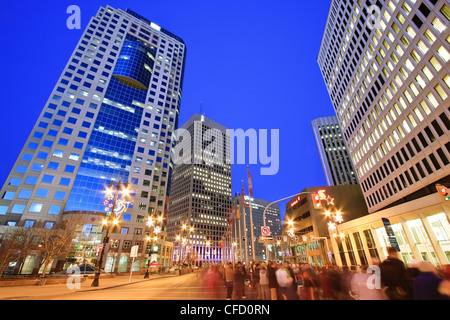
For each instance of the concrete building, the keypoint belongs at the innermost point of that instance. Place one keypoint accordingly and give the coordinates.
(308, 224)
(388, 79)
(201, 196)
(241, 229)
(421, 229)
(336, 163)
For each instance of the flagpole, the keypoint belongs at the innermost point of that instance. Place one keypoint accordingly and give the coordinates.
(250, 194)
(240, 238)
(235, 238)
(245, 225)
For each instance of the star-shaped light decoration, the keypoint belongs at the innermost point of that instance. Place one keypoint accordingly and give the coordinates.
(330, 201)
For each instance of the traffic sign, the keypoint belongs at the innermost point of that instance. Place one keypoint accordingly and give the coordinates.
(265, 231)
(134, 251)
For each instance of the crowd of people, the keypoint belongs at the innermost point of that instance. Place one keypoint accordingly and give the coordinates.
(390, 280)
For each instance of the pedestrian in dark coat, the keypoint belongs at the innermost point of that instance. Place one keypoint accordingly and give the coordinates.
(273, 283)
(426, 284)
(239, 279)
(394, 277)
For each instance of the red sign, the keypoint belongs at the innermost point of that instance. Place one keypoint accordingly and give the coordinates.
(293, 204)
(155, 264)
(265, 231)
(322, 195)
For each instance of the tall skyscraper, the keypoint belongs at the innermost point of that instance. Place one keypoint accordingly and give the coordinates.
(336, 163)
(109, 118)
(241, 232)
(388, 79)
(201, 191)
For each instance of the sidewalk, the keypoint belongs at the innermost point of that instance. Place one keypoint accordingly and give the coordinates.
(27, 291)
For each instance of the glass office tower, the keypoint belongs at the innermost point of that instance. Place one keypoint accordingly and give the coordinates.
(387, 75)
(109, 118)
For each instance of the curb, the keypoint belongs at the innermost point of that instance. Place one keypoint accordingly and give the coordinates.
(93, 289)
(124, 284)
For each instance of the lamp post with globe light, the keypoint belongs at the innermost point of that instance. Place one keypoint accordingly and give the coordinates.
(113, 212)
(155, 228)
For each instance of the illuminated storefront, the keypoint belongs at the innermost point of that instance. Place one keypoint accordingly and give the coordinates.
(421, 228)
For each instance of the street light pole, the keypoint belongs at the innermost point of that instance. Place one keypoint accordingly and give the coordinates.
(107, 222)
(267, 207)
(154, 231)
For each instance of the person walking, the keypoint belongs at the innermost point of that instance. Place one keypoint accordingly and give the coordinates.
(394, 277)
(229, 278)
(256, 279)
(273, 283)
(311, 283)
(213, 281)
(238, 281)
(285, 280)
(426, 284)
(264, 282)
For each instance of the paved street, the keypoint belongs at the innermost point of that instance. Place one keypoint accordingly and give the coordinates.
(185, 287)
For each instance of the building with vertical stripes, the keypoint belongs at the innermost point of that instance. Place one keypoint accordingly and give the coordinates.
(201, 196)
(336, 163)
(388, 79)
(386, 67)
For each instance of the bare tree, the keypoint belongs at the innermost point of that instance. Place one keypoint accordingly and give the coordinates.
(55, 243)
(10, 248)
(26, 243)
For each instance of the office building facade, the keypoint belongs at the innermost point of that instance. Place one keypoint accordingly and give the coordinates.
(109, 119)
(201, 195)
(388, 79)
(336, 163)
(309, 226)
(241, 229)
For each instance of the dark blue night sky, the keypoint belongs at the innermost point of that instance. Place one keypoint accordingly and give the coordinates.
(251, 62)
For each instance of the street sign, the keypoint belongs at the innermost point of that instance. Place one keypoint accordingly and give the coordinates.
(134, 251)
(265, 230)
(329, 255)
(390, 233)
